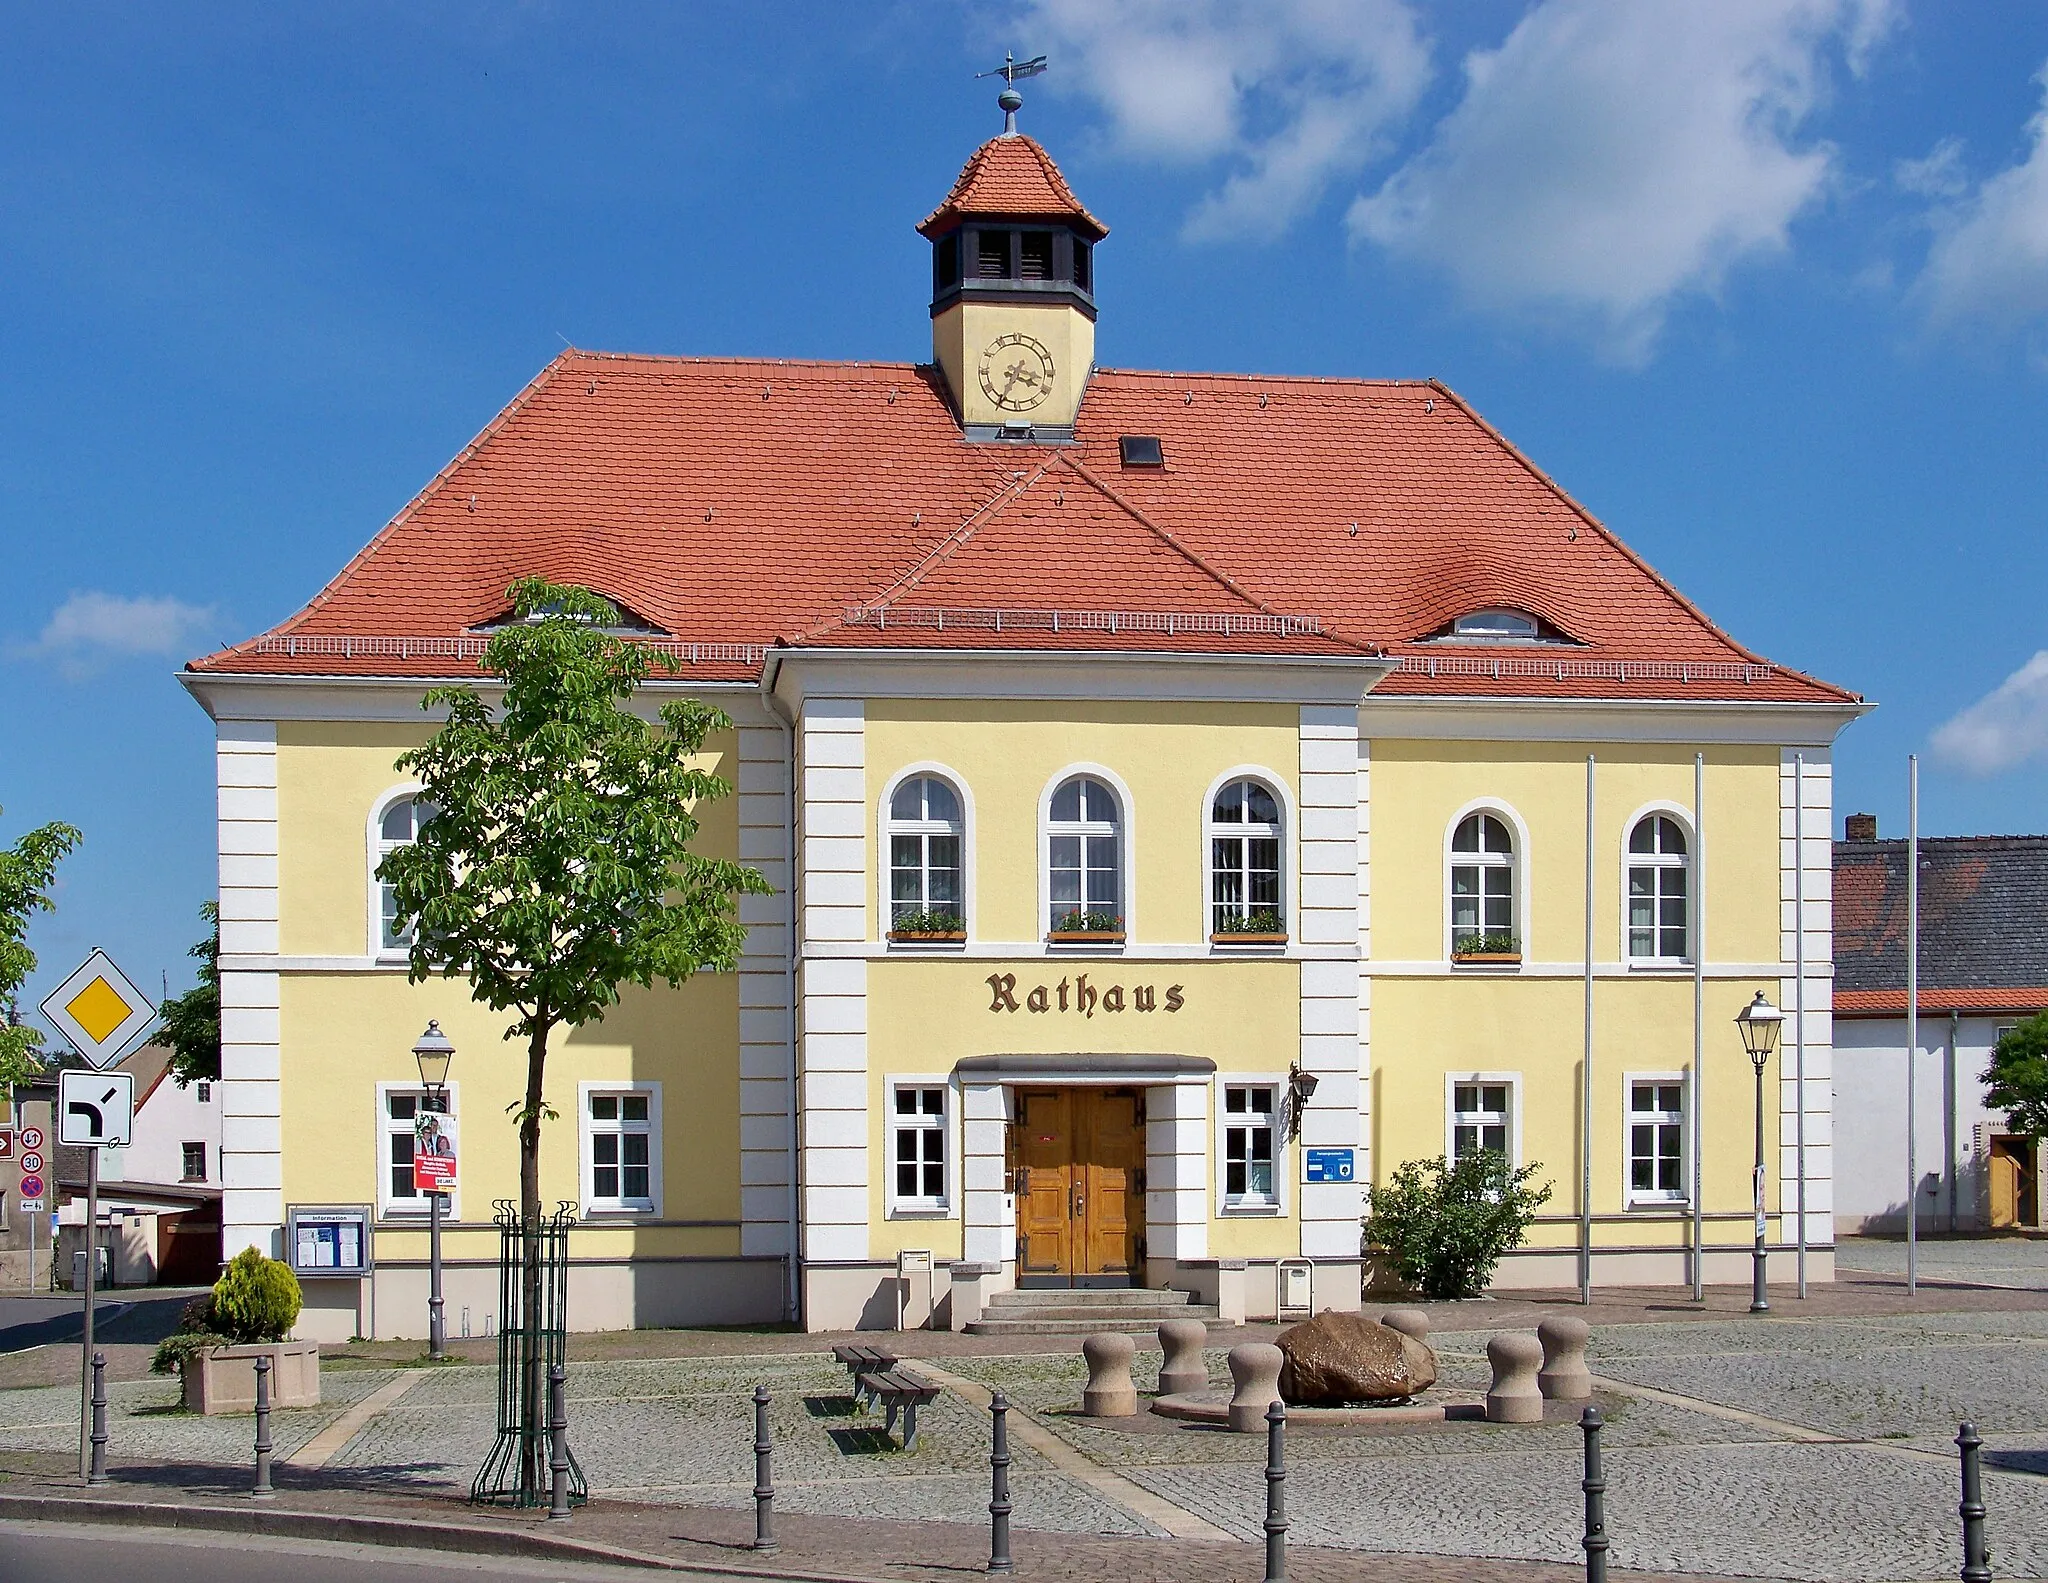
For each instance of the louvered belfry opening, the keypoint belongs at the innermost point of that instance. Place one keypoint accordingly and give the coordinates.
(994, 254)
(1036, 256)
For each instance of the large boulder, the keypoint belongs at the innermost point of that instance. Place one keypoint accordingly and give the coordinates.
(1337, 1358)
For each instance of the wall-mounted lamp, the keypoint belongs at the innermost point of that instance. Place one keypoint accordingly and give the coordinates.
(1301, 1087)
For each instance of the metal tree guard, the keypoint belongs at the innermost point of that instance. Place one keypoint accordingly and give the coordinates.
(533, 1338)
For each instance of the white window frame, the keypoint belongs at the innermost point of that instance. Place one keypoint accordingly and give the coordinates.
(415, 1208)
(376, 847)
(1283, 1149)
(1495, 634)
(1289, 863)
(919, 1207)
(885, 827)
(1513, 1081)
(1126, 850)
(1682, 817)
(614, 1209)
(1519, 866)
(1629, 1193)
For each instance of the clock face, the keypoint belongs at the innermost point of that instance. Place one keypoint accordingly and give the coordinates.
(1016, 373)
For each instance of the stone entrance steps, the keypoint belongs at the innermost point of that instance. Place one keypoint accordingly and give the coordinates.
(1085, 1311)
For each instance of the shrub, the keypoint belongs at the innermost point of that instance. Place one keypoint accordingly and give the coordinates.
(198, 1329)
(2016, 1081)
(256, 1299)
(1445, 1226)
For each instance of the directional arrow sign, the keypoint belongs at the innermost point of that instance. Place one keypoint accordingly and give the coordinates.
(98, 1010)
(95, 1110)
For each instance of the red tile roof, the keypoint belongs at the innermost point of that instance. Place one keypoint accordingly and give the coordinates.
(1013, 176)
(2022, 1000)
(739, 503)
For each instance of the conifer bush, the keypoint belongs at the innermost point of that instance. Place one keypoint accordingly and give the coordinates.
(256, 1299)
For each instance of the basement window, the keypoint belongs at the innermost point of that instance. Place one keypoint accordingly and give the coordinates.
(1141, 450)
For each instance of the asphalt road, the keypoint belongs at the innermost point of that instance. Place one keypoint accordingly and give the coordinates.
(134, 1314)
(63, 1553)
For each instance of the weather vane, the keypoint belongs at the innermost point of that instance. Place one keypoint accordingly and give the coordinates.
(1010, 99)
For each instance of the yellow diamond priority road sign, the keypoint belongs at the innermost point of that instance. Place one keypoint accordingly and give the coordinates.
(98, 1010)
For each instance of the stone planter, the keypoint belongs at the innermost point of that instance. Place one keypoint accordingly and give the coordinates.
(224, 1379)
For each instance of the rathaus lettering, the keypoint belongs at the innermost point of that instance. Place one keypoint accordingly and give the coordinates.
(1077, 994)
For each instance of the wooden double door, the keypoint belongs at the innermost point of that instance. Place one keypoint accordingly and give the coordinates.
(2015, 1198)
(1078, 1170)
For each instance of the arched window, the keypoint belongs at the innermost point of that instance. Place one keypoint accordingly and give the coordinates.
(1658, 890)
(1084, 859)
(1244, 860)
(398, 826)
(1482, 886)
(925, 838)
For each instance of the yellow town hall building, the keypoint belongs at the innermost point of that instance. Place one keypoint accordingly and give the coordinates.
(1187, 797)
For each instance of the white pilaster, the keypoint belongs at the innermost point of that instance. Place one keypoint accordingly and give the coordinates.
(767, 1025)
(990, 1219)
(1329, 915)
(1177, 1171)
(1816, 926)
(833, 1078)
(252, 1159)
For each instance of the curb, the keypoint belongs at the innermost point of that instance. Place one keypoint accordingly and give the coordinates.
(408, 1533)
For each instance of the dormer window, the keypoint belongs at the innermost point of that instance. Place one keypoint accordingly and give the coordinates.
(1495, 624)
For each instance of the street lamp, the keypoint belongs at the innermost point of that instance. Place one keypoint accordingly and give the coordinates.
(433, 1052)
(1759, 1022)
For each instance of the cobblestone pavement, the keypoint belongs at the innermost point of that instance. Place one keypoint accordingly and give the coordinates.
(2017, 1262)
(1724, 1488)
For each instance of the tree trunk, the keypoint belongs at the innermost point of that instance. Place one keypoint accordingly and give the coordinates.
(532, 1420)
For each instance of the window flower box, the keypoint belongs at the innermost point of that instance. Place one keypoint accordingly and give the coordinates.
(927, 936)
(931, 926)
(1248, 937)
(1081, 927)
(1486, 950)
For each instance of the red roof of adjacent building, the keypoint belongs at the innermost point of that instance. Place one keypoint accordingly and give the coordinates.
(1012, 176)
(737, 504)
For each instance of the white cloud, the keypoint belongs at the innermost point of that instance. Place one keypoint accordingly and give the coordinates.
(1613, 156)
(1990, 253)
(89, 629)
(1939, 175)
(1293, 93)
(2005, 728)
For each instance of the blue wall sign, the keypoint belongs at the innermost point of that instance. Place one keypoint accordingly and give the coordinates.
(1330, 1165)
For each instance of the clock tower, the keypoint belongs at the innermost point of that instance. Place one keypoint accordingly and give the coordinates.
(1013, 290)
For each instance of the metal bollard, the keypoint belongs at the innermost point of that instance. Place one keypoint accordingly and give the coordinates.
(1976, 1558)
(558, 1443)
(262, 1491)
(1276, 1492)
(97, 1473)
(999, 1499)
(764, 1477)
(1595, 1486)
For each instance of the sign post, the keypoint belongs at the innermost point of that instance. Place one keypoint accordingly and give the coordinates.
(32, 1192)
(101, 1013)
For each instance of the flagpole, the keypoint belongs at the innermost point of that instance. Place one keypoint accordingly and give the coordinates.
(1586, 1075)
(1699, 1003)
(1912, 1021)
(1799, 984)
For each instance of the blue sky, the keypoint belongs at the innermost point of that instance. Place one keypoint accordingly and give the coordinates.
(1764, 283)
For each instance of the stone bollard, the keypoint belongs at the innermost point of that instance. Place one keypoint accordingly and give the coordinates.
(1110, 1393)
(1185, 1369)
(1513, 1397)
(1564, 1376)
(1255, 1372)
(1411, 1322)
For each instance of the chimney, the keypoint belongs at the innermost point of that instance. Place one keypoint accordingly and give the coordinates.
(1860, 827)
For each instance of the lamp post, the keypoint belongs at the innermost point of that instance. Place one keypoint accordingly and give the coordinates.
(433, 1052)
(1758, 1023)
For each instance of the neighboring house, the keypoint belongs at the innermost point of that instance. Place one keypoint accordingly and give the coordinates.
(1243, 729)
(1983, 966)
(161, 1194)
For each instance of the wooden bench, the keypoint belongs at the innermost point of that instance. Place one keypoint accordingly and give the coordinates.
(863, 1360)
(898, 1392)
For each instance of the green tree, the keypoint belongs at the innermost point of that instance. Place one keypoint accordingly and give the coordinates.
(555, 865)
(2016, 1081)
(27, 870)
(191, 1021)
(1445, 1224)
